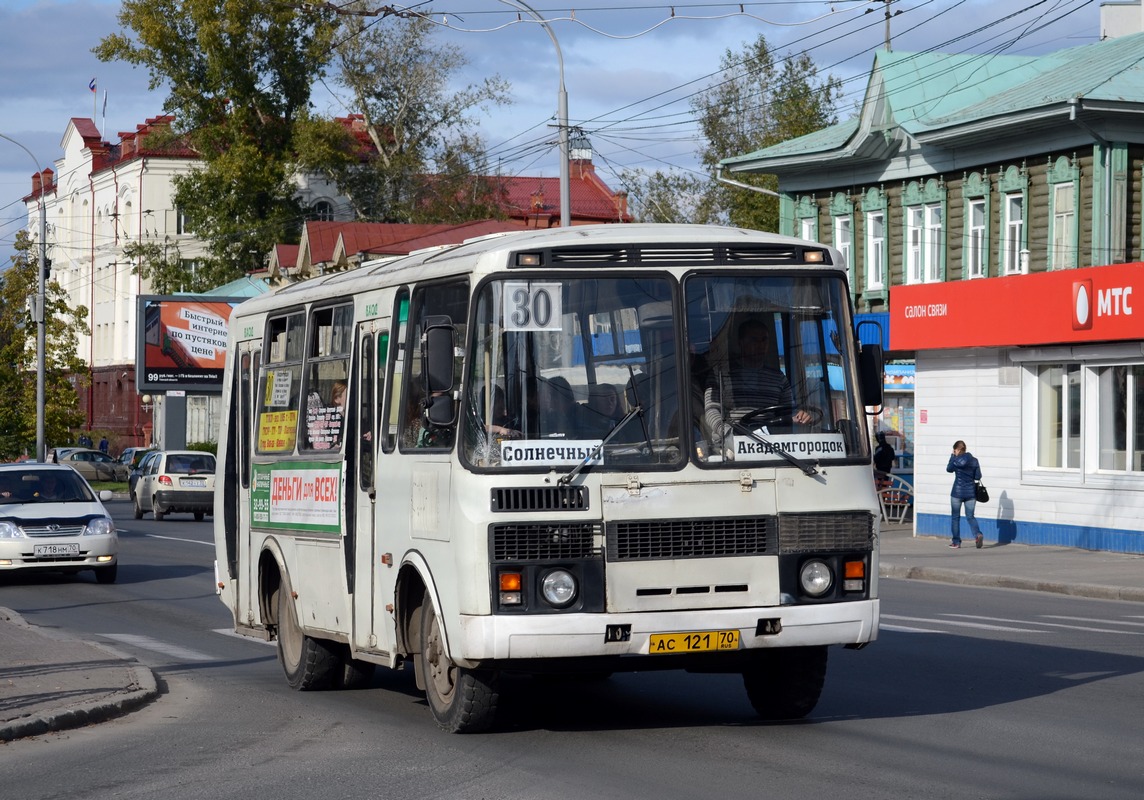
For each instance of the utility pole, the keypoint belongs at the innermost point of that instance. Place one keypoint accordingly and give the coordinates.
(38, 305)
(561, 114)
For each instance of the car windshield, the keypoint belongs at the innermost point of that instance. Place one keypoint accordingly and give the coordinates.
(43, 486)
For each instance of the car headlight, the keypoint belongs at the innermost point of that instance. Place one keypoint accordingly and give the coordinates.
(815, 578)
(558, 588)
(100, 526)
(10, 530)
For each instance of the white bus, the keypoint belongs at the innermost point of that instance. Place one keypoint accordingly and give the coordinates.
(526, 453)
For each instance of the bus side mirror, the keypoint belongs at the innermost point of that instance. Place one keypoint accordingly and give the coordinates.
(438, 344)
(870, 369)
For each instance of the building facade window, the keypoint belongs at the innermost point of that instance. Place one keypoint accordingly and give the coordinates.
(924, 207)
(1058, 416)
(1120, 417)
(875, 252)
(1086, 420)
(1064, 241)
(322, 211)
(806, 218)
(875, 249)
(1013, 186)
(975, 245)
(975, 248)
(842, 218)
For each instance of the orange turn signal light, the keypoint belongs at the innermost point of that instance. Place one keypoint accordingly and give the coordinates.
(510, 581)
(855, 569)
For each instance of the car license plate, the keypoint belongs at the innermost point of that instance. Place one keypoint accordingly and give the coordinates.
(194, 483)
(55, 550)
(695, 642)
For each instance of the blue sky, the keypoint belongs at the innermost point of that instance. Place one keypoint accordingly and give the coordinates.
(629, 68)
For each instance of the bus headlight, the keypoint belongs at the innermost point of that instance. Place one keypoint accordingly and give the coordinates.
(815, 578)
(558, 588)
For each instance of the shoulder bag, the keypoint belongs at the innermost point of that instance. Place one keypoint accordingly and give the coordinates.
(981, 492)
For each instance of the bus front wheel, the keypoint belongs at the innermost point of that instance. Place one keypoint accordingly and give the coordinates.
(785, 683)
(462, 700)
(309, 663)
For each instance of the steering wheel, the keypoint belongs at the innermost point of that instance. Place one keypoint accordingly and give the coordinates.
(782, 411)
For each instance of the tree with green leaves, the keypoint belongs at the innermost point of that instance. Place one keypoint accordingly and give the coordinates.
(239, 75)
(18, 357)
(759, 100)
(425, 162)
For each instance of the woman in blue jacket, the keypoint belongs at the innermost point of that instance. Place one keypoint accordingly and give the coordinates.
(966, 472)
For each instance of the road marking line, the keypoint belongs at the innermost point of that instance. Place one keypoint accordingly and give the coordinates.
(147, 643)
(1090, 619)
(177, 539)
(237, 635)
(1054, 624)
(907, 629)
(956, 623)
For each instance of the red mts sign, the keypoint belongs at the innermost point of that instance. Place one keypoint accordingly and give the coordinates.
(1094, 304)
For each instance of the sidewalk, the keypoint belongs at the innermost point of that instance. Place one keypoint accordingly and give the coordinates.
(51, 682)
(1061, 570)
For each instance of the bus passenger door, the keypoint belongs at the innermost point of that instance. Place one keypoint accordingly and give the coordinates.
(369, 620)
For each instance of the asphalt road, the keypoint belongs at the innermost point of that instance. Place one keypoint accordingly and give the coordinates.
(969, 693)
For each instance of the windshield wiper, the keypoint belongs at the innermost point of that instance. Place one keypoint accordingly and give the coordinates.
(808, 468)
(566, 479)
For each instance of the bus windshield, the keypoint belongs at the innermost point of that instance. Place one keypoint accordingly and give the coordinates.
(588, 370)
(561, 366)
(772, 369)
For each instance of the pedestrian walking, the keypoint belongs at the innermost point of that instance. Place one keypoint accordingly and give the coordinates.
(884, 457)
(103, 445)
(966, 472)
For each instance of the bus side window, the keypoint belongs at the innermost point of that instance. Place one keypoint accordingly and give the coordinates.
(432, 302)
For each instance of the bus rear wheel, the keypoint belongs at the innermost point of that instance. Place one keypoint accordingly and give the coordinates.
(462, 700)
(309, 663)
(785, 683)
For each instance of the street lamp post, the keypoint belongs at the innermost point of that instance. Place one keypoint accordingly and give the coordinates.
(38, 305)
(561, 114)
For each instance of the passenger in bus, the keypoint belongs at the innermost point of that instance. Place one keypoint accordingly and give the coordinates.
(338, 395)
(560, 415)
(604, 408)
(747, 383)
(501, 424)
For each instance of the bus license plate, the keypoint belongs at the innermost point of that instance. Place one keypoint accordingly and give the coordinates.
(55, 550)
(695, 642)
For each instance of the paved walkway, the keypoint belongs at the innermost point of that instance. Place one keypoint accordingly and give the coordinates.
(52, 682)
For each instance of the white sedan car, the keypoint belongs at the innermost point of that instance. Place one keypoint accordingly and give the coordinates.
(52, 521)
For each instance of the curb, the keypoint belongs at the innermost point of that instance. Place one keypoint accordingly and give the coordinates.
(937, 575)
(141, 690)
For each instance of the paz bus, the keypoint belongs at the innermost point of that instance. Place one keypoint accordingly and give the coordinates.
(522, 454)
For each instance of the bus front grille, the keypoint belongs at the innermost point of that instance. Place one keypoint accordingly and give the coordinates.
(540, 498)
(544, 541)
(826, 532)
(632, 540)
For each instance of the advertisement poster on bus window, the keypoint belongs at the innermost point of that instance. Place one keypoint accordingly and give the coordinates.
(297, 495)
(181, 342)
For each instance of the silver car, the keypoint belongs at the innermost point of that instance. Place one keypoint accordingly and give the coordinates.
(175, 481)
(52, 521)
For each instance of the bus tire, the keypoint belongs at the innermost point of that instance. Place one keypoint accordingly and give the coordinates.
(785, 683)
(309, 663)
(353, 673)
(461, 700)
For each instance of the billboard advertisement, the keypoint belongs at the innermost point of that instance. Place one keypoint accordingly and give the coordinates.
(181, 342)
